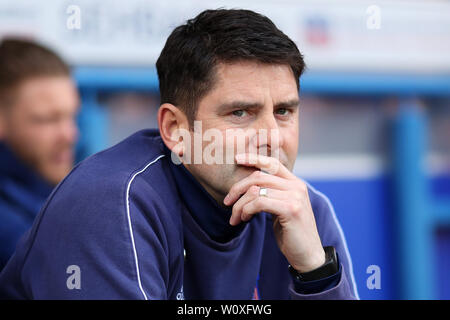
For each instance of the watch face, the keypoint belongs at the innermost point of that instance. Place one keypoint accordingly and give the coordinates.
(331, 254)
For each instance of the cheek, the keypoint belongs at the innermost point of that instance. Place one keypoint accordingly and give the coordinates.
(44, 134)
(291, 141)
(39, 142)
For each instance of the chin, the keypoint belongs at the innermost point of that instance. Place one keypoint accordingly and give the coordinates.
(55, 176)
(242, 172)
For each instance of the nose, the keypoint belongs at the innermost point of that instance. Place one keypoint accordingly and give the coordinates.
(69, 131)
(268, 138)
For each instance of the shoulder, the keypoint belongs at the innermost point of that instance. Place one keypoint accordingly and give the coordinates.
(110, 172)
(326, 219)
(92, 201)
(320, 203)
(122, 161)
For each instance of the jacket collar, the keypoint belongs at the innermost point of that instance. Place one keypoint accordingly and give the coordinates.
(205, 210)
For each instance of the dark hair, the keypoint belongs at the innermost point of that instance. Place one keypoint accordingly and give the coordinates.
(186, 66)
(21, 60)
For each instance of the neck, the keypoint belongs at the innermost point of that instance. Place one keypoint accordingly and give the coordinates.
(205, 205)
(215, 194)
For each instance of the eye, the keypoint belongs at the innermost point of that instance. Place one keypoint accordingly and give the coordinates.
(239, 113)
(45, 119)
(282, 111)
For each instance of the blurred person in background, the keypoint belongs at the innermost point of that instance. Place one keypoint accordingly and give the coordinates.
(38, 105)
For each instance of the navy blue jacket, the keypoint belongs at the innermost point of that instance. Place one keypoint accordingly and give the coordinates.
(22, 194)
(119, 227)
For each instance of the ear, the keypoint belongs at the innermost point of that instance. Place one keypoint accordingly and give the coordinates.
(173, 127)
(2, 122)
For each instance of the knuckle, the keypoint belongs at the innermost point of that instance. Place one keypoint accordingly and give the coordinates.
(245, 210)
(254, 190)
(303, 187)
(299, 196)
(235, 190)
(256, 174)
(232, 191)
(294, 208)
(258, 204)
(274, 165)
(235, 210)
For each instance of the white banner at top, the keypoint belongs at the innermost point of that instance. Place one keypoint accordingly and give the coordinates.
(385, 36)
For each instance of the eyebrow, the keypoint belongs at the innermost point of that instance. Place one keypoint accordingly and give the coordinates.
(244, 105)
(293, 103)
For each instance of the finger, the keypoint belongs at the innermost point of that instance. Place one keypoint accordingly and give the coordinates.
(257, 178)
(268, 164)
(259, 204)
(251, 194)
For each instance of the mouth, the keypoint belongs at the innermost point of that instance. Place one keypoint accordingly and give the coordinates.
(63, 157)
(252, 168)
(245, 171)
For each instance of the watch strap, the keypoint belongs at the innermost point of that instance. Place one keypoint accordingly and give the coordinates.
(329, 268)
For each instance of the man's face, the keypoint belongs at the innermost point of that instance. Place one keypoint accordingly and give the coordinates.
(254, 97)
(40, 126)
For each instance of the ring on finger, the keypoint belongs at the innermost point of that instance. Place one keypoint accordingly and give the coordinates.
(263, 192)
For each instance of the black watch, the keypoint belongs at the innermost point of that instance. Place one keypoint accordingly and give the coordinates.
(329, 268)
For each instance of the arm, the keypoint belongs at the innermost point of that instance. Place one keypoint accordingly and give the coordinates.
(342, 284)
(287, 198)
(88, 243)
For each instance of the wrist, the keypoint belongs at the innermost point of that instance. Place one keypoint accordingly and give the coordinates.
(313, 263)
